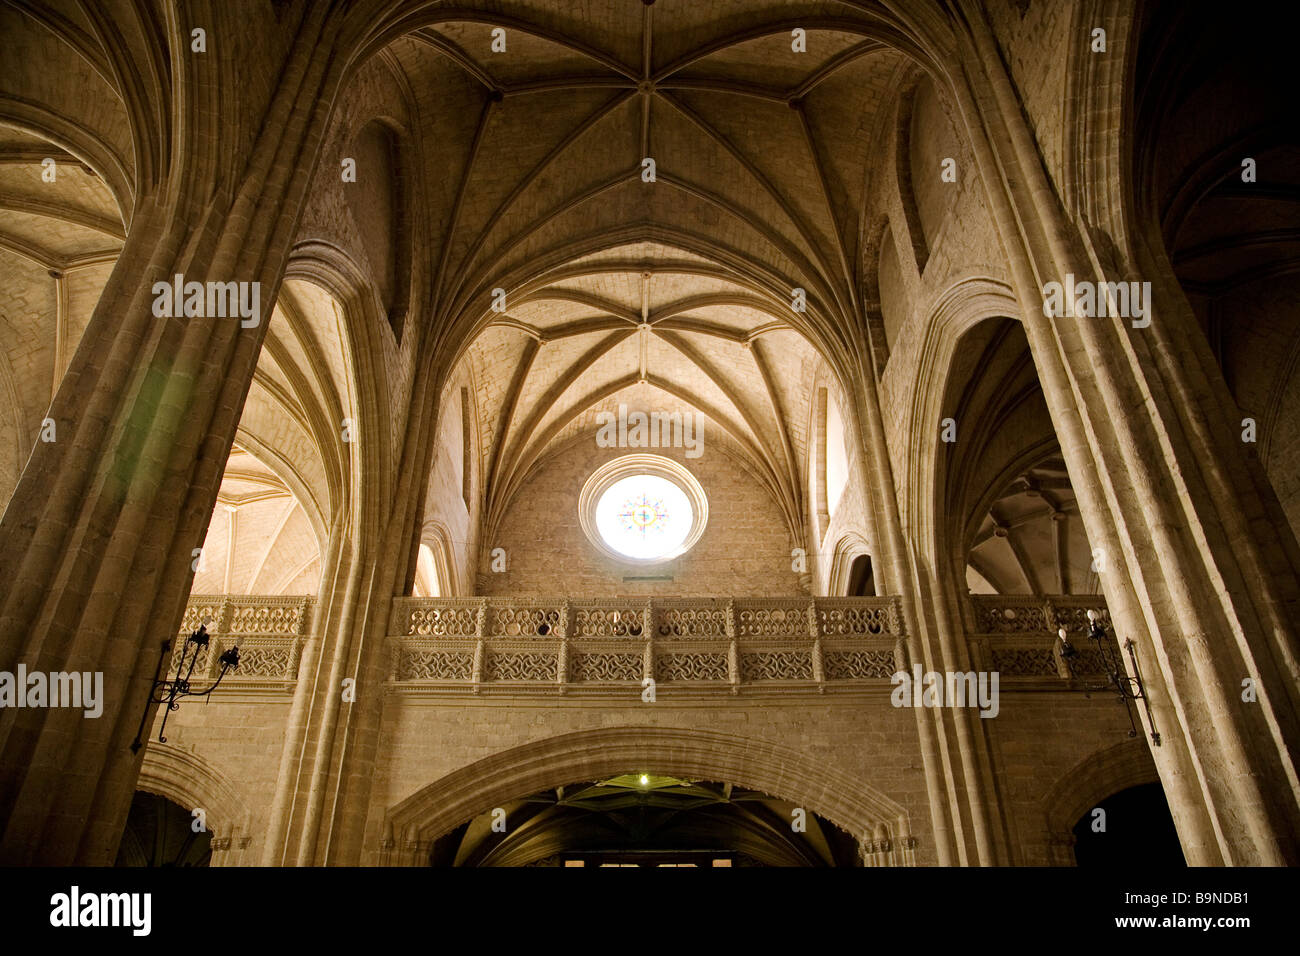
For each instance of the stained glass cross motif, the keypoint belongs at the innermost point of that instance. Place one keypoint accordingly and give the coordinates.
(645, 517)
(644, 514)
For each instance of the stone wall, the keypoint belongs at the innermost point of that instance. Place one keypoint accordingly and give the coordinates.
(1036, 740)
(745, 548)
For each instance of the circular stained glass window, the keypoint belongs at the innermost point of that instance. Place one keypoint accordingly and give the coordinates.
(643, 508)
(644, 517)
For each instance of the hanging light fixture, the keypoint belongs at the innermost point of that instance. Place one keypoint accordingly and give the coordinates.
(1127, 688)
(169, 692)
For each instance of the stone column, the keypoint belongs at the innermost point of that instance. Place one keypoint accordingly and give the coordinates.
(1201, 564)
(900, 575)
(95, 546)
(329, 780)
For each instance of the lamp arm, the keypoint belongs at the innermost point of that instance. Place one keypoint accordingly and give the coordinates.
(157, 682)
(215, 685)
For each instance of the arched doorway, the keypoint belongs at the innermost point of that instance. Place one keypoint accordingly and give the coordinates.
(1138, 824)
(1131, 825)
(649, 820)
(573, 783)
(161, 833)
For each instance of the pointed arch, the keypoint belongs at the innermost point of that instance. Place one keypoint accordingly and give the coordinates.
(848, 549)
(437, 538)
(701, 754)
(190, 781)
(1088, 783)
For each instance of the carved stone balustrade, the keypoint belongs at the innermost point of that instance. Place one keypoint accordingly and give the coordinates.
(1016, 636)
(611, 646)
(608, 646)
(269, 631)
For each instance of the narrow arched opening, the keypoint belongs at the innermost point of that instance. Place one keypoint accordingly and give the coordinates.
(862, 578)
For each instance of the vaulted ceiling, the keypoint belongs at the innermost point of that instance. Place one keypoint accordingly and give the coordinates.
(69, 221)
(537, 150)
(260, 540)
(647, 182)
(668, 288)
(60, 234)
(1032, 539)
(1012, 517)
(634, 327)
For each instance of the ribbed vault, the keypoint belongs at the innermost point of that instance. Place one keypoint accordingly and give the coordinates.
(60, 233)
(759, 130)
(1012, 517)
(646, 328)
(624, 204)
(260, 540)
